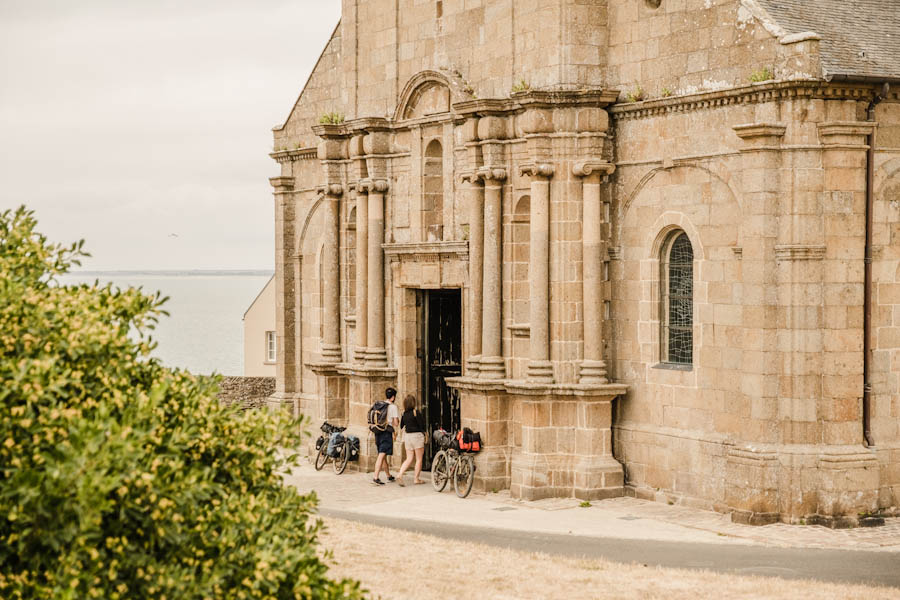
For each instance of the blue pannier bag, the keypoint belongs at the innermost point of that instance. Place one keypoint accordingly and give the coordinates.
(334, 444)
(352, 447)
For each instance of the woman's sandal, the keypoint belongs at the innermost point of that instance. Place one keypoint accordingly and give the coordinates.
(418, 482)
(400, 483)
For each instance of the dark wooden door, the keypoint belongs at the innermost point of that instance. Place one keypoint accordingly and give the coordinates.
(442, 358)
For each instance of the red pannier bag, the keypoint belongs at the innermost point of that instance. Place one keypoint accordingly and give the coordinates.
(468, 440)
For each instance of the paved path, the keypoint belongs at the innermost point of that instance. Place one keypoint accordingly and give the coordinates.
(621, 529)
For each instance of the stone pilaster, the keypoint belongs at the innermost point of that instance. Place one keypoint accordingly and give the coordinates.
(539, 367)
(286, 374)
(492, 365)
(594, 238)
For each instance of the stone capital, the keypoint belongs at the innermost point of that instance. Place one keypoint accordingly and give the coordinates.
(491, 173)
(538, 170)
(330, 189)
(591, 166)
(282, 184)
(366, 186)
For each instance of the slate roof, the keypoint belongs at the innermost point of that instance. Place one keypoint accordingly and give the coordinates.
(860, 38)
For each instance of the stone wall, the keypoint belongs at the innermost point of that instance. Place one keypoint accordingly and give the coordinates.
(248, 392)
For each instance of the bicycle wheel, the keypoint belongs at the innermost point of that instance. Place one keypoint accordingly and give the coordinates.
(321, 457)
(439, 471)
(340, 461)
(464, 476)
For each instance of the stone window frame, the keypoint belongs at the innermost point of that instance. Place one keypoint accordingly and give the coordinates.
(271, 347)
(665, 273)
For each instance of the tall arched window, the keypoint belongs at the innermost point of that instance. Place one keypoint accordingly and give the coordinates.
(677, 300)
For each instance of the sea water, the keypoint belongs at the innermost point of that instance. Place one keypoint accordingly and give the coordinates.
(204, 330)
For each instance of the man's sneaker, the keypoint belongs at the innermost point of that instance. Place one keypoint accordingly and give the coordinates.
(377, 482)
(390, 478)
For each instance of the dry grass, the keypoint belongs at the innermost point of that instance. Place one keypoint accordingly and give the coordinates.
(396, 564)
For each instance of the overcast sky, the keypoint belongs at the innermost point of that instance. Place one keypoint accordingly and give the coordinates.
(144, 127)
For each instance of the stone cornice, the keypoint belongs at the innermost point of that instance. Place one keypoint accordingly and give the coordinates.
(746, 94)
(555, 98)
(283, 156)
(365, 124)
(328, 130)
(587, 167)
(485, 106)
(799, 252)
(759, 130)
(427, 250)
(365, 372)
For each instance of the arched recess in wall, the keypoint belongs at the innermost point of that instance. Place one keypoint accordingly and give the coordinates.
(433, 192)
(521, 239)
(308, 313)
(430, 93)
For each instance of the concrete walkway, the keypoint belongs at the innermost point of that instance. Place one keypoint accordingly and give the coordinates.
(619, 518)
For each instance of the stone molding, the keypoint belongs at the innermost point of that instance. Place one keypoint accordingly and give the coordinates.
(491, 173)
(365, 371)
(747, 94)
(427, 250)
(520, 330)
(538, 388)
(377, 185)
(799, 252)
(297, 154)
(760, 136)
(614, 252)
(323, 367)
(849, 135)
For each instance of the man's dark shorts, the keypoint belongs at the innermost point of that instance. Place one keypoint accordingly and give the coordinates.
(384, 442)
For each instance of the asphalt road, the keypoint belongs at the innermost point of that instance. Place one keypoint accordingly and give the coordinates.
(843, 566)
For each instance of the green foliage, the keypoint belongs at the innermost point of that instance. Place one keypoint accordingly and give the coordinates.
(521, 86)
(666, 92)
(331, 118)
(585, 504)
(635, 95)
(120, 478)
(763, 74)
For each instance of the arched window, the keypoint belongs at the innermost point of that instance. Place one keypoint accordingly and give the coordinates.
(677, 300)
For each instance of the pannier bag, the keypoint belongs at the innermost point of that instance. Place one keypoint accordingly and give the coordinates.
(334, 444)
(319, 442)
(441, 438)
(352, 447)
(377, 419)
(468, 440)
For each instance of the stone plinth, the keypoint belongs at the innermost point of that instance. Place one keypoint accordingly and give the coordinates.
(563, 445)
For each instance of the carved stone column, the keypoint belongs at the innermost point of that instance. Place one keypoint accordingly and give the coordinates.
(376, 355)
(331, 339)
(492, 365)
(362, 271)
(593, 172)
(476, 269)
(286, 373)
(539, 368)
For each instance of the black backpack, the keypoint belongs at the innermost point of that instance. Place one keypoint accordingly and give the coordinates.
(377, 419)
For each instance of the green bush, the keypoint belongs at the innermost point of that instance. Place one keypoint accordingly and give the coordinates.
(120, 478)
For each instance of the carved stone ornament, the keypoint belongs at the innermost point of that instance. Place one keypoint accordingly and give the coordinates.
(496, 173)
(366, 186)
(584, 168)
(537, 170)
(331, 189)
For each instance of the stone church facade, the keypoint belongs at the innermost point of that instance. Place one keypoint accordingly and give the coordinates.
(642, 246)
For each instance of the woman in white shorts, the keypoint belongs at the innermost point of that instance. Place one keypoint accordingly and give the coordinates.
(412, 424)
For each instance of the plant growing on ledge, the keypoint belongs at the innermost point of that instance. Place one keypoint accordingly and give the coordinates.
(666, 92)
(763, 74)
(522, 86)
(331, 118)
(635, 95)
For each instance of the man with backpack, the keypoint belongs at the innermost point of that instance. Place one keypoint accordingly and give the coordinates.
(383, 422)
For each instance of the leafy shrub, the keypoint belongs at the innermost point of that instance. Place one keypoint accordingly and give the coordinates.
(635, 95)
(521, 86)
(332, 118)
(120, 478)
(759, 75)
